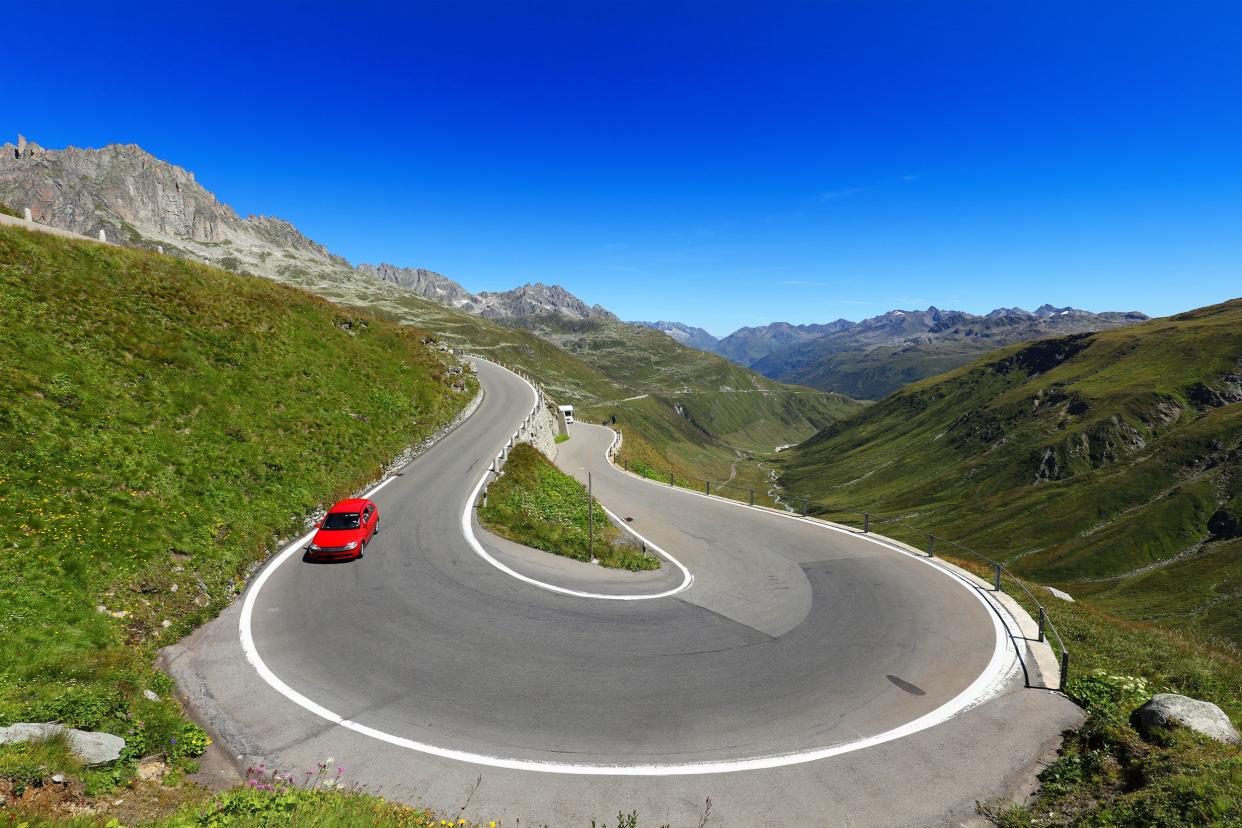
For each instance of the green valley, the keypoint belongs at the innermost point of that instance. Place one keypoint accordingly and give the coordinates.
(1107, 464)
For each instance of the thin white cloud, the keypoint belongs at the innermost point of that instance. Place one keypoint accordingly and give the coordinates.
(833, 195)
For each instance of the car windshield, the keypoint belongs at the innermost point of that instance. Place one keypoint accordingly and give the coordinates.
(341, 520)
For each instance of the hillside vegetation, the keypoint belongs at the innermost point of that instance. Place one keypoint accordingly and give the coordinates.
(162, 424)
(1108, 464)
(141, 201)
(679, 407)
(537, 504)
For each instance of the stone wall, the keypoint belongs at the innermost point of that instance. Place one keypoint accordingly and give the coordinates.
(543, 430)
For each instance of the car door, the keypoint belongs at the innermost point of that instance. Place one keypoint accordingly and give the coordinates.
(368, 521)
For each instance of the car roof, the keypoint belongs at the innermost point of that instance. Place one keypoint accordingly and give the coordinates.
(351, 505)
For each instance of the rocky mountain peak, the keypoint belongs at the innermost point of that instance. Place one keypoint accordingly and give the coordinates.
(535, 298)
(426, 283)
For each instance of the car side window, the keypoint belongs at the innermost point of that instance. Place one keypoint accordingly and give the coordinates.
(366, 515)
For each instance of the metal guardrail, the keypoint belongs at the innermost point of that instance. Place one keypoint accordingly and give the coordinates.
(819, 509)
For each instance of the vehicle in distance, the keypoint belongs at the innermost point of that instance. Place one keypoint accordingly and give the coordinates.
(345, 531)
(568, 411)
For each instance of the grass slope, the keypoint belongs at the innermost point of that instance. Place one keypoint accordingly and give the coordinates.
(161, 425)
(537, 504)
(1106, 773)
(1108, 464)
(681, 407)
(678, 406)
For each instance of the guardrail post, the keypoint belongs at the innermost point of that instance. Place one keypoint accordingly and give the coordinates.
(1042, 617)
(752, 497)
(708, 485)
(626, 461)
(996, 578)
(866, 522)
(931, 546)
(670, 477)
(1064, 668)
(806, 502)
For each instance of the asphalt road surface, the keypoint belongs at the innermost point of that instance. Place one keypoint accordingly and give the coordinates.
(799, 675)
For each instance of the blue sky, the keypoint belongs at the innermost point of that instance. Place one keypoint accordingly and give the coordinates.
(722, 164)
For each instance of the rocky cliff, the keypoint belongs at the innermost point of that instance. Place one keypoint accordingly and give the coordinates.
(537, 299)
(140, 201)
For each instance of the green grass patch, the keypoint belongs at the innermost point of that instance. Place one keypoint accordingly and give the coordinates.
(29, 763)
(162, 424)
(536, 504)
(561, 438)
(9, 211)
(1106, 773)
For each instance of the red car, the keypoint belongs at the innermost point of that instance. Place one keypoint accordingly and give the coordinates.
(345, 531)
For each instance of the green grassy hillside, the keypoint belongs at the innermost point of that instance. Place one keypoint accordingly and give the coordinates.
(873, 373)
(1107, 464)
(161, 425)
(679, 407)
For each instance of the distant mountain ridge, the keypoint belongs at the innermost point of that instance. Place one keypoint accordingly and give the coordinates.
(528, 300)
(138, 200)
(876, 356)
(685, 334)
(749, 345)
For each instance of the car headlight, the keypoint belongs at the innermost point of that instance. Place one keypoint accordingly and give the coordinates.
(314, 547)
(352, 545)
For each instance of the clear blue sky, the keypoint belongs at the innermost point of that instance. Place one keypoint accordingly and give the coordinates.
(718, 163)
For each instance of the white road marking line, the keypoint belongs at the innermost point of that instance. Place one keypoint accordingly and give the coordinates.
(987, 683)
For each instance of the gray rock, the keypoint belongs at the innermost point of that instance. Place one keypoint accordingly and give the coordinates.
(150, 695)
(1170, 709)
(92, 748)
(535, 299)
(1064, 596)
(125, 195)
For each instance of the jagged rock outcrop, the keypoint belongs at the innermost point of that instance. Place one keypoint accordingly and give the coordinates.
(138, 200)
(685, 334)
(426, 283)
(537, 299)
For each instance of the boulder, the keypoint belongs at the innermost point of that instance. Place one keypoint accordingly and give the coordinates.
(92, 748)
(1170, 709)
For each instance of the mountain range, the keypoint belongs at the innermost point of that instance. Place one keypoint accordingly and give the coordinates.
(683, 408)
(874, 357)
(139, 200)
